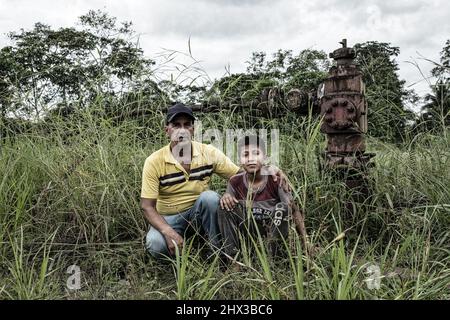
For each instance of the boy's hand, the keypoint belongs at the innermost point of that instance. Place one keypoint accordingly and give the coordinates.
(228, 202)
(276, 174)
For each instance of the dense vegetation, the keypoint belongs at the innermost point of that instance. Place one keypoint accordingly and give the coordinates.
(81, 109)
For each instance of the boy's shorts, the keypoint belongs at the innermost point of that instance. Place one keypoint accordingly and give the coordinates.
(242, 223)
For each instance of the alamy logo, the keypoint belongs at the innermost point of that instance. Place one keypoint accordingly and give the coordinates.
(278, 214)
(374, 279)
(225, 141)
(74, 280)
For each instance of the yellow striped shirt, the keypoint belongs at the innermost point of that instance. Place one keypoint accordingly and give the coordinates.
(165, 179)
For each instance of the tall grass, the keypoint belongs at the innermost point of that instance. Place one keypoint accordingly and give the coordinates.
(69, 194)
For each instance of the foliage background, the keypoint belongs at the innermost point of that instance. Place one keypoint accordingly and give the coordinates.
(81, 109)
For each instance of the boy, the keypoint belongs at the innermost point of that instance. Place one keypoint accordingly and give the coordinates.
(254, 201)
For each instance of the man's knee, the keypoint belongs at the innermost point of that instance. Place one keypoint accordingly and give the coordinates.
(156, 244)
(209, 199)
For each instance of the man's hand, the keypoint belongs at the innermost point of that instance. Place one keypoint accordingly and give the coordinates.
(228, 202)
(276, 174)
(173, 240)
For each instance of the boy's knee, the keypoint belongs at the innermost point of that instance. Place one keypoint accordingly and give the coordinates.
(156, 244)
(223, 215)
(234, 216)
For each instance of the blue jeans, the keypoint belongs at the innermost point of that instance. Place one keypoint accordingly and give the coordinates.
(202, 215)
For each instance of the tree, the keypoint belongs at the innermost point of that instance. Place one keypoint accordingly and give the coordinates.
(70, 67)
(284, 70)
(442, 70)
(386, 93)
(189, 94)
(436, 111)
(5, 86)
(237, 89)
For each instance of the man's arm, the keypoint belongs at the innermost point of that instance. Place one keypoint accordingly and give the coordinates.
(224, 167)
(276, 174)
(157, 221)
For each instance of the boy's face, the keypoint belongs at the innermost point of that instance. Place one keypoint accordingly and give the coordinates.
(251, 158)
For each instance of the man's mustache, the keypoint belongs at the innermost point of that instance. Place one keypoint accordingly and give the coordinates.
(181, 137)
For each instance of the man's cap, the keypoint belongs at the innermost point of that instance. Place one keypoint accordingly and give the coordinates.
(178, 109)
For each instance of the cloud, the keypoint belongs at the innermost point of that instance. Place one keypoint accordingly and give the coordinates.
(226, 32)
(214, 20)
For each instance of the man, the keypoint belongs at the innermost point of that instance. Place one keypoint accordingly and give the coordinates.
(175, 185)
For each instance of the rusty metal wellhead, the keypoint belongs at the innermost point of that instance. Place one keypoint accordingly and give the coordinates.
(344, 110)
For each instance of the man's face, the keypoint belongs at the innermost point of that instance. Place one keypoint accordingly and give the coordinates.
(251, 158)
(180, 130)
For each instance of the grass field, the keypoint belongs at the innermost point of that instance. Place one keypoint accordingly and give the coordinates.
(69, 195)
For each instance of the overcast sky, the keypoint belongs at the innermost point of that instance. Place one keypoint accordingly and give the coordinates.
(225, 33)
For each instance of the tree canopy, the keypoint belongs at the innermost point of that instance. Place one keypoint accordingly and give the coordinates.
(385, 91)
(46, 68)
(46, 71)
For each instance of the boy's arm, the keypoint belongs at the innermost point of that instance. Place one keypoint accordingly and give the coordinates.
(299, 220)
(297, 215)
(277, 175)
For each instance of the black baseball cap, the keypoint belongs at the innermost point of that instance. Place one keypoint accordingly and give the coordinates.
(178, 109)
